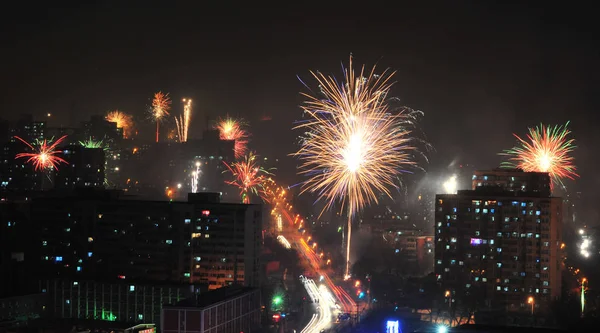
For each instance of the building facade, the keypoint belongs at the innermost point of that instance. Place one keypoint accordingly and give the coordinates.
(102, 234)
(227, 310)
(125, 302)
(84, 168)
(498, 245)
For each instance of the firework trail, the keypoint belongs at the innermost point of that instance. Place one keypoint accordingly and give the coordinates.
(249, 177)
(195, 177)
(353, 147)
(161, 104)
(183, 121)
(123, 120)
(232, 129)
(545, 149)
(44, 154)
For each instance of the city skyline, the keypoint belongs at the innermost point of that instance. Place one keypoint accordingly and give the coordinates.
(338, 167)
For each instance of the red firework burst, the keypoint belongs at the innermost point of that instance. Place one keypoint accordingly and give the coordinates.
(44, 154)
(249, 177)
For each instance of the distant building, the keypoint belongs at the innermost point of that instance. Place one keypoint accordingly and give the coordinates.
(499, 244)
(84, 168)
(412, 246)
(227, 310)
(99, 129)
(28, 129)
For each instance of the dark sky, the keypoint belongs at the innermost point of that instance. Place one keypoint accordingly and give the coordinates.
(479, 71)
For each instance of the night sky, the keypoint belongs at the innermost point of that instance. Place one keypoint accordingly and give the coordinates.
(479, 71)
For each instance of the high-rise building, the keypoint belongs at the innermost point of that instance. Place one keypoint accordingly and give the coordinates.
(498, 245)
(102, 235)
(17, 175)
(225, 243)
(84, 168)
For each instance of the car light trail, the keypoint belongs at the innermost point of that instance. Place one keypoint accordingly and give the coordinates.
(284, 242)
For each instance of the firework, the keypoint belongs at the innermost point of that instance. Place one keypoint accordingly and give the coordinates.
(183, 121)
(43, 155)
(91, 143)
(123, 121)
(249, 177)
(195, 177)
(545, 149)
(233, 129)
(354, 146)
(161, 104)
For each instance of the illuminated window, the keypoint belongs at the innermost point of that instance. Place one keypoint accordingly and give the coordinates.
(131, 288)
(90, 254)
(79, 268)
(169, 241)
(58, 259)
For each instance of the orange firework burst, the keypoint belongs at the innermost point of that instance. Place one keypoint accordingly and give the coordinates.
(249, 177)
(161, 104)
(546, 149)
(44, 155)
(123, 121)
(232, 129)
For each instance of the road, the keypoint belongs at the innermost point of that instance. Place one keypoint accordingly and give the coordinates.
(328, 305)
(324, 303)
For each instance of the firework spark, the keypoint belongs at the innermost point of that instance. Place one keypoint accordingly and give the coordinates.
(354, 147)
(123, 120)
(183, 121)
(161, 104)
(545, 149)
(91, 143)
(233, 129)
(196, 177)
(249, 177)
(44, 154)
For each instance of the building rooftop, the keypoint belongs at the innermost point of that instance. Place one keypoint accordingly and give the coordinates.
(212, 297)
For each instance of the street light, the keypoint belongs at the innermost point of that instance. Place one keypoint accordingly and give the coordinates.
(277, 300)
(531, 301)
(448, 295)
